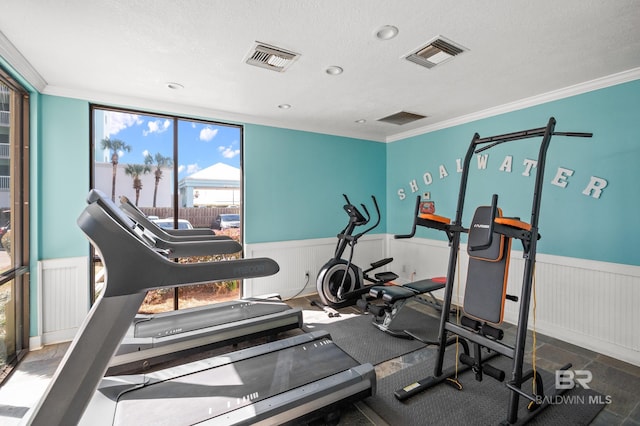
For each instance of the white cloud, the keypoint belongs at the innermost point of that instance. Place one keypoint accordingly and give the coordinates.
(190, 168)
(116, 121)
(228, 151)
(157, 126)
(208, 133)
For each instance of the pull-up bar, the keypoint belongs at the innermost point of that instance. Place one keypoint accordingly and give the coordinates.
(523, 134)
(529, 236)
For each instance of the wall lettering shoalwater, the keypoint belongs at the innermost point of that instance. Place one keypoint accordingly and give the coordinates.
(593, 188)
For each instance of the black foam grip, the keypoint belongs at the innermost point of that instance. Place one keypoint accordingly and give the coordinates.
(494, 332)
(494, 372)
(470, 323)
(467, 360)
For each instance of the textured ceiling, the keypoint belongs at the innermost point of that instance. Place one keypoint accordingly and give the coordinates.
(123, 52)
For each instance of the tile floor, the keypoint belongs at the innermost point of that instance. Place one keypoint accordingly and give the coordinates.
(611, 377)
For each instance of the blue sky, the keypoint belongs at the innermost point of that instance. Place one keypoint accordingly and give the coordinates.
(200, 144)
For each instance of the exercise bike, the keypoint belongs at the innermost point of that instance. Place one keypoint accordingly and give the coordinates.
(340, 282)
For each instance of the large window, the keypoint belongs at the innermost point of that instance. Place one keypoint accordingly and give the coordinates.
(182, 173)
(14, 223)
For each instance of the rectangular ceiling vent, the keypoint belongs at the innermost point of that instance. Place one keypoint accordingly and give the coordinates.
(402, 117)
(435, 52)
(270, 57)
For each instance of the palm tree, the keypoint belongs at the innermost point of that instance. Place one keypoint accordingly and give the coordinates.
(135, 171)
(160, 161)
(114, 146)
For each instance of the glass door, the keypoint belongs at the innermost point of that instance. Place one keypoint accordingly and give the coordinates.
(14, 253)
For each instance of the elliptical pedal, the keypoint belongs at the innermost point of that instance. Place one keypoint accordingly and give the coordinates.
(385, 277)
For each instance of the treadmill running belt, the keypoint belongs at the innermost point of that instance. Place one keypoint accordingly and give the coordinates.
(202, 395)
(204, 316)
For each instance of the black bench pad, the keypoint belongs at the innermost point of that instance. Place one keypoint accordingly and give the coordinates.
(393, 293)
(427, 286)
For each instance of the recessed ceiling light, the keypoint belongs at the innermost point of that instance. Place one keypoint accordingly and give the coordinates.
(284, 106)
(387, 32)
(175, 86)
(361, 121)
(334, 70)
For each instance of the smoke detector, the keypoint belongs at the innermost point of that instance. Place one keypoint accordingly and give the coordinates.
(402, 117)
(435, 52)
(270, 57)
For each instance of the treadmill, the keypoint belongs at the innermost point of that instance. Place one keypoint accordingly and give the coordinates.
(138, 216)
(288, 380)
(156, 338)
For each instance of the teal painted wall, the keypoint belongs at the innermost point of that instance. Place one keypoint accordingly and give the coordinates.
(294, 182)
(294, 179)
(63, 181)
(571, 223)
(61, 177)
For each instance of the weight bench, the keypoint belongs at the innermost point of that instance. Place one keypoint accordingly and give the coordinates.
(391, 294)
(396, 315)
(399, 315)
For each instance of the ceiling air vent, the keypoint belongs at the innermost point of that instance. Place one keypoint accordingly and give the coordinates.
(401, 118)
(435, 52)
(272, 58)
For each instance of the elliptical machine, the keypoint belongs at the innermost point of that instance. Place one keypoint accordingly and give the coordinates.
(340, 282)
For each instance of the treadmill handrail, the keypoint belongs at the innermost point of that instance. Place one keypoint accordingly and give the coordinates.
(176, 235)
(102, 229)
(132, 266)
(176, 247)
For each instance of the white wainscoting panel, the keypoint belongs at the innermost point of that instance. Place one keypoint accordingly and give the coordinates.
(63, 298)
(587, 303)
(298, 257)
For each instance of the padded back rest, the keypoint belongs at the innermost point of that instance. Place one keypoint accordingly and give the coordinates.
(487, 274)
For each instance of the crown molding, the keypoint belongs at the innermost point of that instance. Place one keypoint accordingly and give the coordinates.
(576, 89)
(20, 64)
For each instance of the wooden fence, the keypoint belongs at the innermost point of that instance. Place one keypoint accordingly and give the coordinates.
(200, 217)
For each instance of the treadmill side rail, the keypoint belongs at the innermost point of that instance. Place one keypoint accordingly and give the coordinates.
(278, 394)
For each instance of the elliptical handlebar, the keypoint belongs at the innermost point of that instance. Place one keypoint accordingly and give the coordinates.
(375, 203)
(355, 217)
